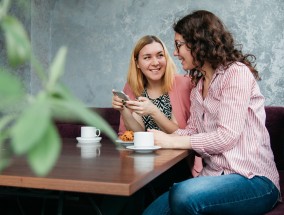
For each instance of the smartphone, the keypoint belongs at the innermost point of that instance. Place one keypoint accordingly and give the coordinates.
(121, 95)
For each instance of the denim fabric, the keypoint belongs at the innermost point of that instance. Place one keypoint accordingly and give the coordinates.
(226, 194)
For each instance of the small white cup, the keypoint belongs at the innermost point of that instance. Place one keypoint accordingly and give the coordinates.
(143, 139)
(90, 132)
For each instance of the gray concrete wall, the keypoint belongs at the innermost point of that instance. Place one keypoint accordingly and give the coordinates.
(100, 36)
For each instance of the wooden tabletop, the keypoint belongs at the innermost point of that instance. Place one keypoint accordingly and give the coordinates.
(113, 170)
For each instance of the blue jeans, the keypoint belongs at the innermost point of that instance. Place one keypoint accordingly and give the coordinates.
(225, 194)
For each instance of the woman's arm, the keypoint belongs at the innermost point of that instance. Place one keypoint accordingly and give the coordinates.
(131, 122)
(166, 125)
(172, 141)
(128, 121)
(231, 116)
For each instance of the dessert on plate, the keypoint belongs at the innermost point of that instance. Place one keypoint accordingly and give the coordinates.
(127, 136)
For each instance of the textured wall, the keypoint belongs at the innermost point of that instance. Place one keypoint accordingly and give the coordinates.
(100, 36)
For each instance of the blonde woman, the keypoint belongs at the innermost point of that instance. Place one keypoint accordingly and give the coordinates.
(159, 97)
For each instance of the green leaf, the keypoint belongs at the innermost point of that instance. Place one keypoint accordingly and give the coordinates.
(17, 42)
(57, 67)
(31, 125)
(4, 5)
(4, 121)
(11, 89)
(61, 93)
(45, 153)
(38, 69)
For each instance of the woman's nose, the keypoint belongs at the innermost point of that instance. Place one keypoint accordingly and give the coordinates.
(155, 61)
(175, 52)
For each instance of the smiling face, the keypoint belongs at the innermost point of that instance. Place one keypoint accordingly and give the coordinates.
(152, 62)
(183, 53)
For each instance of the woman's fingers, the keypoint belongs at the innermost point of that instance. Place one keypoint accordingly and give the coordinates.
(117, 104)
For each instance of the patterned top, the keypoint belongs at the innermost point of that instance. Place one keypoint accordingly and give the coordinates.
(164, 105)
(179, 97)
(227, 128)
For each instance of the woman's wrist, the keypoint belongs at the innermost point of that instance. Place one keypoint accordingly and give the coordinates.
(181, 142)
(155, 112)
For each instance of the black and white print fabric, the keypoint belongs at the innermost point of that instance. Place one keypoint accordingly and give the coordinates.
(164, 105)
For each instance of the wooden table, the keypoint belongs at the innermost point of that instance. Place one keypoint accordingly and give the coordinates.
(116, 171)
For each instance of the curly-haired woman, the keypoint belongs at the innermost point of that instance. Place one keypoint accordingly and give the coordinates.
(226, 127)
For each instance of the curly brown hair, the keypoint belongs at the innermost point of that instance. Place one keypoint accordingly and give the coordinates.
(209, 41)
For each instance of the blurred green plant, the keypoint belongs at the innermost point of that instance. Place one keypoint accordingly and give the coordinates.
(27, 122)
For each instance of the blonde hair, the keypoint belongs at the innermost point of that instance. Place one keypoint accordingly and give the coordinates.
(136, 79)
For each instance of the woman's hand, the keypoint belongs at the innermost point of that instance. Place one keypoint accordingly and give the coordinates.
(170, 141)
(161, 139)
(129, 121)
(142, 106)
(117, 103)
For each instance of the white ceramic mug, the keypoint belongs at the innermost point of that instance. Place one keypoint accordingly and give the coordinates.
(143, 139)
(90, 132)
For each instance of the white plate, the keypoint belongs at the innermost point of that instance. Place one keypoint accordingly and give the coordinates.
(144, 149)
(88, 140)
(124, 143)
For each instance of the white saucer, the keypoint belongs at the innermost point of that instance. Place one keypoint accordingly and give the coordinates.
(143, 149)
(88, 140)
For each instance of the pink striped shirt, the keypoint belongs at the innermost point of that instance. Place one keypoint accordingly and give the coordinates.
(227, 128)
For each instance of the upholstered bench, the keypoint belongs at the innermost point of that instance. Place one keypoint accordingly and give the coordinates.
(73, 129)
(275, 126)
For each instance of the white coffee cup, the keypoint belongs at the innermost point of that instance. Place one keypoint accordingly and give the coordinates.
(143, 139)
(90, 132)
